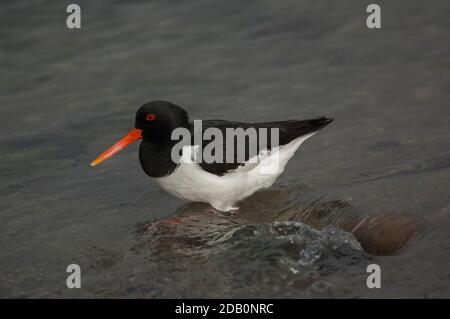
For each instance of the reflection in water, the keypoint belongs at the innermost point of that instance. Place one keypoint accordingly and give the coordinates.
(272, 241)
(278, 253)
(197, 229)
(274, 246)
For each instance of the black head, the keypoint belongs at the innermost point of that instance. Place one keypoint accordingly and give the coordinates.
(154, 123)
(157, 119)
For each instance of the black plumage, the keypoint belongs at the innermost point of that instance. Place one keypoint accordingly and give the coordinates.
(155, 149)
(287, 132)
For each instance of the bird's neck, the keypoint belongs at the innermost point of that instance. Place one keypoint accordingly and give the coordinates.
(156, 158)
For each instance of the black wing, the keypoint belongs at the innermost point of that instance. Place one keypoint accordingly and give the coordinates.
(287, 131)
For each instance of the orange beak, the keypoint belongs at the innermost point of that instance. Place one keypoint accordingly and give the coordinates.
(134, 135)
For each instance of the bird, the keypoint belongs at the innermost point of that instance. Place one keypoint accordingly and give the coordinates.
(221, 183)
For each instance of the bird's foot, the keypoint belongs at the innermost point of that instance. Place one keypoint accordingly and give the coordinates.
(231, 211)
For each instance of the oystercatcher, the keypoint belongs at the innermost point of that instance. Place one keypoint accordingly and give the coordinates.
(221, 183)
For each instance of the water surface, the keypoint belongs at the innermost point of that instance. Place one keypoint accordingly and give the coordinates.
(373, 187)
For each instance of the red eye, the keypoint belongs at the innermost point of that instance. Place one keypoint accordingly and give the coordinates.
(151, 117)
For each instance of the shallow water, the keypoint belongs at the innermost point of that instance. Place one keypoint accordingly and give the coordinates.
(373, 187)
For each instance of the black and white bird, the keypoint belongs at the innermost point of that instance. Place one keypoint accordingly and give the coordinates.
(222, 184)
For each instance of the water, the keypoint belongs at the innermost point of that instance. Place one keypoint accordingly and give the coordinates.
(370, 188)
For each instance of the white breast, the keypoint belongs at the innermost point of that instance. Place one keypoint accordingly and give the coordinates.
(191, 182)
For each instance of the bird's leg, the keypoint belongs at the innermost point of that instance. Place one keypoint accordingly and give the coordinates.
(230, 211)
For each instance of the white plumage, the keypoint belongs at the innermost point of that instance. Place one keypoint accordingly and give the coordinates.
(189, 181)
